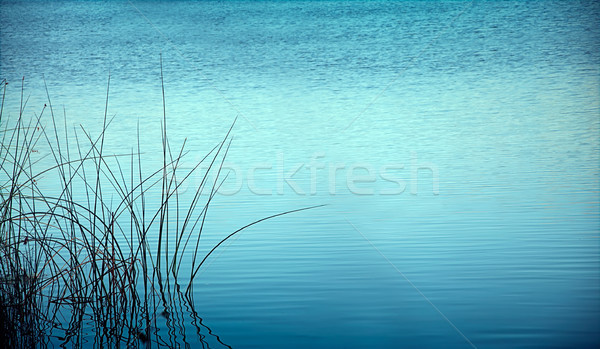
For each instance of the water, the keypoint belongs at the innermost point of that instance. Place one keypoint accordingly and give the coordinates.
(455, 143)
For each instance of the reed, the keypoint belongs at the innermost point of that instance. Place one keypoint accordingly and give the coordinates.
(76, 260)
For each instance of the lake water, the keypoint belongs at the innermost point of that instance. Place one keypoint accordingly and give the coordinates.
(455, 143)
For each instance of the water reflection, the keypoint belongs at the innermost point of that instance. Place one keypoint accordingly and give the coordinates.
(170, 320)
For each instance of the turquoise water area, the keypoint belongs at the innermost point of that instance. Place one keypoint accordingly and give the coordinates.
(456, 144)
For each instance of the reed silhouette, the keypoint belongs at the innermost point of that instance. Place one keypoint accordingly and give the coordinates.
(81, 268)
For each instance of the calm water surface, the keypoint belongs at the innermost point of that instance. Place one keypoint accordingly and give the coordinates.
(455, 143)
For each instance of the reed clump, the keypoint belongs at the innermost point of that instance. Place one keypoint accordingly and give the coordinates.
(82, 270)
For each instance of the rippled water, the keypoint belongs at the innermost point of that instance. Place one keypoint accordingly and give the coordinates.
(455, 143)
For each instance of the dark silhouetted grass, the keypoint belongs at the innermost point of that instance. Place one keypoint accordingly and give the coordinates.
(91, 261)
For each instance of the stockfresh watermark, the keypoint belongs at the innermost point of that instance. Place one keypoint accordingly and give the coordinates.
(316, 176)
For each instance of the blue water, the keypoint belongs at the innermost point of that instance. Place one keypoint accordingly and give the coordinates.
(456, 144)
